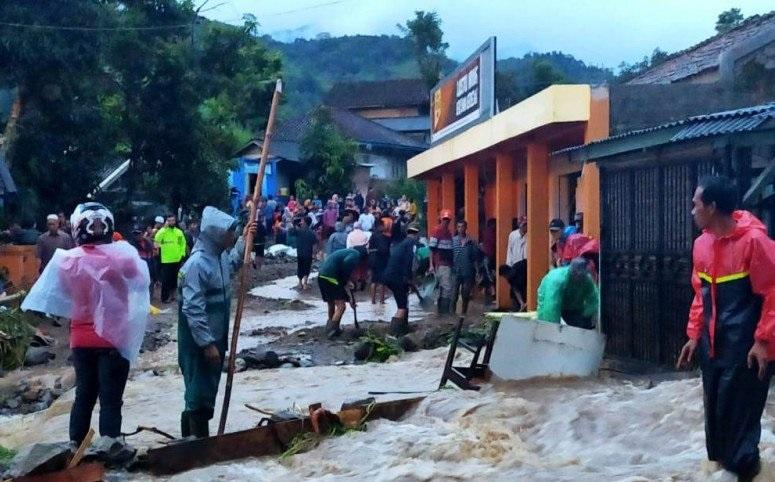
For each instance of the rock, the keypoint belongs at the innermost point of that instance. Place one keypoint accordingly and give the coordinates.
(407, 344)
(37, 355)
(257, 359)
(13, 403)
(339, 363)
(32, 395)
(47, 398)
(363, 351)
(240, 365)
(287, 365)
(39, 458)
(306, 362)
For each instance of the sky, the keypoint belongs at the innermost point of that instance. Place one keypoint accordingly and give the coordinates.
(599, 32)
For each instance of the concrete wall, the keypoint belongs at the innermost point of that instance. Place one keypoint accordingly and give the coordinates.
(641, 106)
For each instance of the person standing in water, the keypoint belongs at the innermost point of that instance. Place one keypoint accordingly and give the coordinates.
(731, 324)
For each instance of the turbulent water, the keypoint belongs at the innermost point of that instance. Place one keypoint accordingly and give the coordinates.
(593, 430)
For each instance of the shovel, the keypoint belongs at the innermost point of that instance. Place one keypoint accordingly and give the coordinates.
(355, 312)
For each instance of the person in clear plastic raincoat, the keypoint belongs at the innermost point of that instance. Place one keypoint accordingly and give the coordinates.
(102, 287)
(203, 310)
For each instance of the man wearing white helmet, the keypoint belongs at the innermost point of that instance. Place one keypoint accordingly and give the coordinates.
(102, 287)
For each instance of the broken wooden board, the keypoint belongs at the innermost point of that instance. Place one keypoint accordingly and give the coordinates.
(266, 440)
(91, 472)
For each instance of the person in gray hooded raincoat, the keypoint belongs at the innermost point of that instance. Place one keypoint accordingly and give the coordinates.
(203, 311)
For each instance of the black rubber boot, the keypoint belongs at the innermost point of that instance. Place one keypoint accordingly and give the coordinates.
(445, 304)
(332, 329)
(185, 424)
(398, 326)
(199, 422)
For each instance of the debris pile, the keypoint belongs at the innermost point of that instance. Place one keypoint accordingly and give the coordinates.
(35, 394)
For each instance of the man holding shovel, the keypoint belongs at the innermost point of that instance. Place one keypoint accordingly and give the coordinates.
(203, 311)
(334, 281)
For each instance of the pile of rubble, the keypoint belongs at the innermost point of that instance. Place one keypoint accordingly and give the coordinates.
(36, 394)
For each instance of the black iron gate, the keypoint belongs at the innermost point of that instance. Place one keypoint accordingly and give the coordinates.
(646, 243)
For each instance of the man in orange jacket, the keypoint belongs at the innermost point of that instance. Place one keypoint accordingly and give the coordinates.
(731, 324)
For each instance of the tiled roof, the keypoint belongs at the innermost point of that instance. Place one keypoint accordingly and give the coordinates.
(704, 55)
(360, 129)
(706, 125)
(379, 93)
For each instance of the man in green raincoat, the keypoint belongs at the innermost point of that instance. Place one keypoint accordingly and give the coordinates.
(569, 292)
(203, 324)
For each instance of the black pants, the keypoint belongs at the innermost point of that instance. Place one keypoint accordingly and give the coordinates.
(169, 280)
(303, 266)
(734, 401)
(99, 373)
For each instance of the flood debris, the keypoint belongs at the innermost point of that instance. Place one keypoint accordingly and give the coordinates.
(271, 439)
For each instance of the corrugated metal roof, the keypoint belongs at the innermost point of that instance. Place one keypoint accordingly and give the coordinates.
(718, 123)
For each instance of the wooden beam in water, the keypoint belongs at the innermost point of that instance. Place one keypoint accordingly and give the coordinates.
(266, 440)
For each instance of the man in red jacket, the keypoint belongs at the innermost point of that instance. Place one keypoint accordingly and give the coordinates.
(731, 324)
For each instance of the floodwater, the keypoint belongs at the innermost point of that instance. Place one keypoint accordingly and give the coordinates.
(315, 315)
(558, 431)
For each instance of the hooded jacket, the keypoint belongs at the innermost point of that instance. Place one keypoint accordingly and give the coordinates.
(205, 279)
(734, 292)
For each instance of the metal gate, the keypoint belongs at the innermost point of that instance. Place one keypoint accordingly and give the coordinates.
(646, 242)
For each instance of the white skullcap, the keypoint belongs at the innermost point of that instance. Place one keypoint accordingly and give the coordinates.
(159, 219)
(52, 217)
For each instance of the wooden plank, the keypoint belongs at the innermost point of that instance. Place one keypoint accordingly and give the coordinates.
(91, 472)
(267, 440)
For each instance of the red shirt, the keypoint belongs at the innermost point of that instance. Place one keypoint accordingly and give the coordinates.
(86, 292)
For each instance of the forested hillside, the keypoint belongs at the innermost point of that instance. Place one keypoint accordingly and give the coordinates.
(311, 67)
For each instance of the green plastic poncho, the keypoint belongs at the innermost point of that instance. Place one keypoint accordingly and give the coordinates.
(557, 293)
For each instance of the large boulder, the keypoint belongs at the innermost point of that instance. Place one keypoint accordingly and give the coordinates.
(39, 459)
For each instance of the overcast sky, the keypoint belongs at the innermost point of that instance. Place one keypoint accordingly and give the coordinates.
(599, 32)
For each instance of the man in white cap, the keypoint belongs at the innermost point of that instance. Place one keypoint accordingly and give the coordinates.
(53, 239)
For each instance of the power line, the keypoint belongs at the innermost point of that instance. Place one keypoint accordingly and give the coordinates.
(93, 29)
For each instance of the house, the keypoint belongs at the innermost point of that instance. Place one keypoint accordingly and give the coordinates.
(721, 58)
(399, 104)
(647, 179)
(501, 169)
(728, 71)
(382, 154)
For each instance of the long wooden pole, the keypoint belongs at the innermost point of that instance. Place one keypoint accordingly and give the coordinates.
(243, 278)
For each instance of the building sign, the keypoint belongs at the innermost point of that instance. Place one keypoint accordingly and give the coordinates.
(466, 96)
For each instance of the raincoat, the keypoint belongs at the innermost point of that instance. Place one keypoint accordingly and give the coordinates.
(734, 304)
(204, 307)
(558, 296)
(103, 289)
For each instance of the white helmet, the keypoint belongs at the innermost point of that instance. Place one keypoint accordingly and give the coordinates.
(83, 219)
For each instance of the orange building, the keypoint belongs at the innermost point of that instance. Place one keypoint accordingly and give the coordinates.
(501, 168)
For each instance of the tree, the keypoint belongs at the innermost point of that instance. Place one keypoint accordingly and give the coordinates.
(159, 86)
(424, 30)
(728, 20)
(658, 56)
(544, 75)
(328, 156)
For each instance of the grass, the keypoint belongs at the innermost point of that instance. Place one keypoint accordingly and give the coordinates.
(307, 441)
(382, 347)
(6, 455)
(16, 332)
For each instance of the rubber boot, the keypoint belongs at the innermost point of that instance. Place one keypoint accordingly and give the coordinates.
(445, 304)
(199, 422)
(185, 424)
(465, 306)
(332, 329)
(399, 326)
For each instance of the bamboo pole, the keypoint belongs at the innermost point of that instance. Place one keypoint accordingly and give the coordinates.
(243, 278)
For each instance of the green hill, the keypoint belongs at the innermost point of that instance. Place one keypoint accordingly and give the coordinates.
(312, 66)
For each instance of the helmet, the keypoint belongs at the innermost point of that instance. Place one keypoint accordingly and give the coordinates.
(445, 214)
(83, 219)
